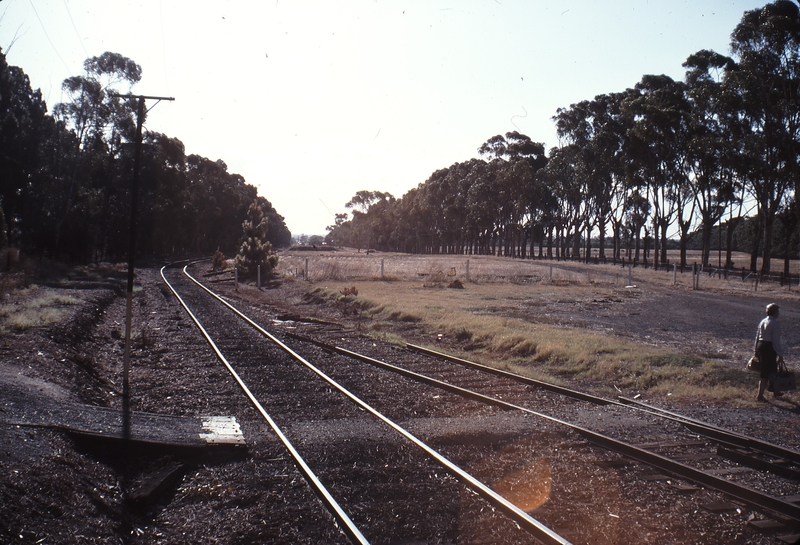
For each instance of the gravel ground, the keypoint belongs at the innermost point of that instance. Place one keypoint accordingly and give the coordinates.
(57, 488)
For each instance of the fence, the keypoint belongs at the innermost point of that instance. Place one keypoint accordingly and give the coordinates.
(446, 268)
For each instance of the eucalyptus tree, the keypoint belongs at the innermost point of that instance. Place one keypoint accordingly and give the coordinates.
(92, 108)
(24, 128)
(220, 200)
(598, 128)
(371, 223)
(656, 146)
(381, 218)
(541, 207)
(516, 183)
(451, 200)
(340, 233)
(766, 44)
(517, 158)
(99, 121)
(482, 207)
(405, 233)
(279, 235)
(637, 211)
(789, 219)
(564, 176)
(167, 211)
(575, 127)
(709, 164)
(510, 180)
(741, 205)
(438, 195)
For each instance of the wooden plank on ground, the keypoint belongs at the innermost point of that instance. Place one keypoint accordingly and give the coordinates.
(88, 420)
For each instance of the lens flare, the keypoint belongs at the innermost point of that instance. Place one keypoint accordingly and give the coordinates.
(527, 488)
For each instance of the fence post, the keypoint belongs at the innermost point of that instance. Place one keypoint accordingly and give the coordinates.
(381, 268)
(236, 279)
(674, 274)
(467, 270)
(630, 275)
(551, 272)
(259, 277)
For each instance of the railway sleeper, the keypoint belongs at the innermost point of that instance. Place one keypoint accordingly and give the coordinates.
(755, 460)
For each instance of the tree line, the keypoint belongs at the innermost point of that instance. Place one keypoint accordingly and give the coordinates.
(66, 177)
(665, 158)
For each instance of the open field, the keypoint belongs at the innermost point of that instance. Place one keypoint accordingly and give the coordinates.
(647, 333)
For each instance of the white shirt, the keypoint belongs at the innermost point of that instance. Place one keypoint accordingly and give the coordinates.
(770, 330)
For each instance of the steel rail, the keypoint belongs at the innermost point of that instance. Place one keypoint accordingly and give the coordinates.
(347, 526)
(704, 428)
(508, 374)
(716, 432)
(523, 519)
(745, 494)
(464, 392)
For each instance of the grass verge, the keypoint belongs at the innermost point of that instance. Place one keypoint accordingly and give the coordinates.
(512, 326)
(35, 309)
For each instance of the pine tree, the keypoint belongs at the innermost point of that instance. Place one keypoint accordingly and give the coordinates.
(255, 249)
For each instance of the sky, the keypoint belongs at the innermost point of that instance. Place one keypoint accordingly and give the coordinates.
(312, 101)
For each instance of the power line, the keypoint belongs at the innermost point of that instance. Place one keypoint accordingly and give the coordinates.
(48, 38)
(75, 28)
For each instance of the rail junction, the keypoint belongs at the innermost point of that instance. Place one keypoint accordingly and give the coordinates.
(299, 366)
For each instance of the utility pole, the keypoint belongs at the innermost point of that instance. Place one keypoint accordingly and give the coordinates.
(126, 393)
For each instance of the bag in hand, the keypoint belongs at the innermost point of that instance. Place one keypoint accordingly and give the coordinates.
(783, 380)
(754, 364)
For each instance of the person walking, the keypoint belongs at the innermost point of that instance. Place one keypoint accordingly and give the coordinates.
(768, 348)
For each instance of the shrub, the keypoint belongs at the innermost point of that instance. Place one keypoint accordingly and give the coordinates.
(218, 261)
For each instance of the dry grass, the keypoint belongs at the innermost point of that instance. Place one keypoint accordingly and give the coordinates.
(501, 317)
(439, 271)
(35, 308)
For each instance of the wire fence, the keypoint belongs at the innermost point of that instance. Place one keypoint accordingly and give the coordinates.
(352, 266)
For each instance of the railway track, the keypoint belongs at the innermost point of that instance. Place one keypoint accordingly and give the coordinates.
(683, 449)
(264, 381)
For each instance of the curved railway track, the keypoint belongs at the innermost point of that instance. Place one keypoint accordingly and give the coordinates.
(754, 475)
